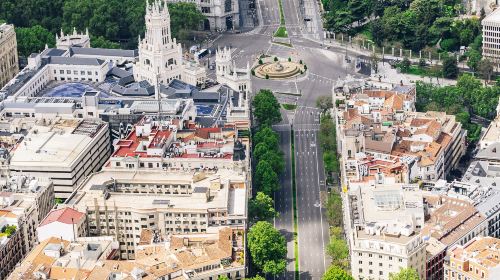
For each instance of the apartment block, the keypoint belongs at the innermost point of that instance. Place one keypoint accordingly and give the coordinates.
(122, 203)
(153, 144)
(9, 64)
(476, 260)
(383, 125)
(491, 37)
(24, 202)
(385, 230)
(62, 150)
(59, 259)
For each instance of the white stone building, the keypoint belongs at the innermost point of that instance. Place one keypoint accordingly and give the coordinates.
(65, 151)
(122, 203)
(65, 42)
(65, 223)
(491, 37)
(160, 56)
(239, 79)
(385, 230)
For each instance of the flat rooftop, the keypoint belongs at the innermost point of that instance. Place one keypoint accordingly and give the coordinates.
(226, 196)
(55, 145)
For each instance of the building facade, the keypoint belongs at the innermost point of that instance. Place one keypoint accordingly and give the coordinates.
(64, 151)
(122, 203)
(491, 37)
(9, 64)
(24, 202)
(476, 260)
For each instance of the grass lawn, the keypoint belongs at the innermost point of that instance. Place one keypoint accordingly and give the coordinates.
(282, 14)
(421, 71)
(289, 106)
(281, 32)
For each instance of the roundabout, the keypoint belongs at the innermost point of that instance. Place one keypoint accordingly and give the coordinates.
(278, 70)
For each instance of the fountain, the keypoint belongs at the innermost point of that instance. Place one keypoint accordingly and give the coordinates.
(278, 70)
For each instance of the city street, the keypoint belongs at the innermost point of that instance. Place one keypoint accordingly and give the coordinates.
(310, 183)
(325, 67)
(283, 199)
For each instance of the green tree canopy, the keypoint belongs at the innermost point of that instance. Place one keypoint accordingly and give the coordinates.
(266, 108)
(266, 178)
(324, 102)
(485, 68)
(267, 248)
(184, 16)
(261, 207)
(336, 273)
(339, 252)
(405, 274)
(101, 42)
(450, 67)
(266, 136)
(33, 39)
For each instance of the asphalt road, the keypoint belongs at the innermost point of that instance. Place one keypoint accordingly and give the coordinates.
(283, 198)
(325, 66)
(310, 183)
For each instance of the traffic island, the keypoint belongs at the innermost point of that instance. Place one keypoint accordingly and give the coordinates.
(278, 70)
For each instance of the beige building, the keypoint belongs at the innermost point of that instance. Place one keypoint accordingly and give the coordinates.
(476, 260)
(123, 203)
(24, 202)
(63, 150)
(181, 257)
(9, 64)
(58, 259)
(385, 232)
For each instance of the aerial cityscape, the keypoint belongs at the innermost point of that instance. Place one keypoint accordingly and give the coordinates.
(250, 139)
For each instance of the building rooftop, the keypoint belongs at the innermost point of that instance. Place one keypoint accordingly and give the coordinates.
(55, 258)
(64, 215)
(118, 188)
(55, 143)
(483, 251)
(450, 218)
(179, 257)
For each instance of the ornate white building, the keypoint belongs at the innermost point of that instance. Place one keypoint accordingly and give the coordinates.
(65, 42)
(240, 80)
(160, 56)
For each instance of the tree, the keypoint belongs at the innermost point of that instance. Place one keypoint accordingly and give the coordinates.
(258, 277)
(336, 273)
(267, 136)
(485, 69)
(374, 60)
(324, 102)
(339, 252)
(266, 108)
(266, 178)
(334, 209)
(405, 65)
(261, 207)
(473, 59)
(33, 39)
(101, 42)
(450, 67)
(267, 248)
(184, 16)
(405, 274)
(223, 277)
